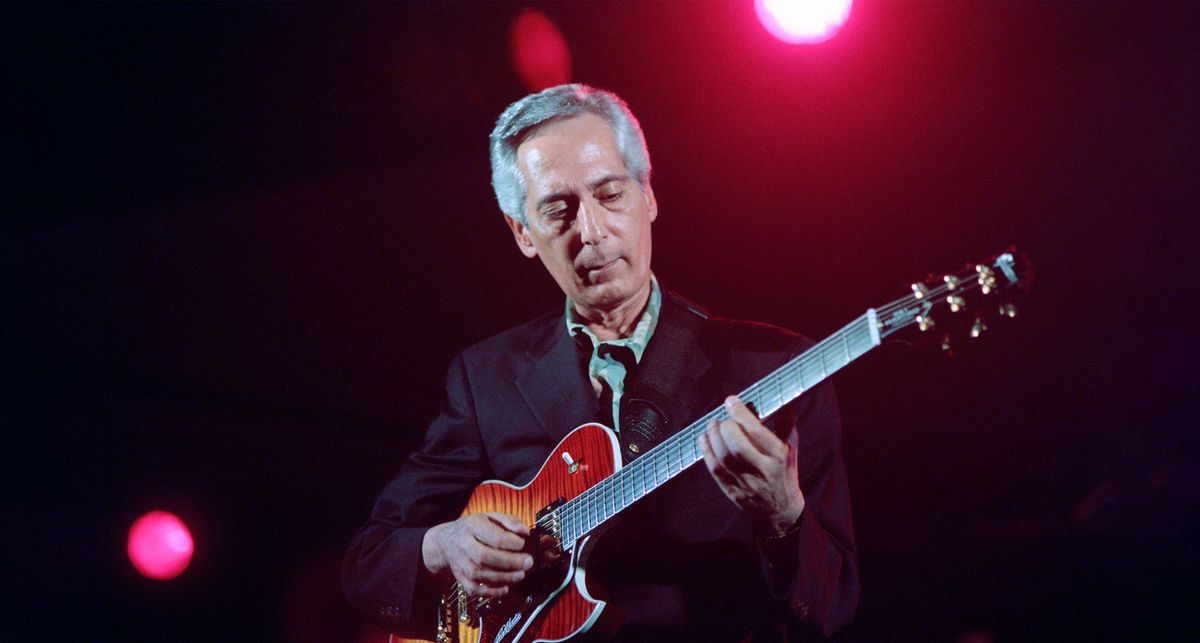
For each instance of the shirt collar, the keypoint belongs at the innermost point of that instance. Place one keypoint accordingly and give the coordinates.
(641, 334)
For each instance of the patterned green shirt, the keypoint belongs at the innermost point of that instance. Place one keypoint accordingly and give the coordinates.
(611, 360)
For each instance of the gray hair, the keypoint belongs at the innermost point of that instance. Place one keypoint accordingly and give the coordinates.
(521, 118)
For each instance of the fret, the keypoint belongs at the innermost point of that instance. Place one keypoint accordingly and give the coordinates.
(821, 356)
(777, 401)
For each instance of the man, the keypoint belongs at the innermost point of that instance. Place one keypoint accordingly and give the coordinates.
(757, 545)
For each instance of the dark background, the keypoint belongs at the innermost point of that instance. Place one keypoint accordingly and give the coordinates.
(241, 242)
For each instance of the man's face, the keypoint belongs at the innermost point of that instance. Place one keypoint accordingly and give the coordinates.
(585, 216)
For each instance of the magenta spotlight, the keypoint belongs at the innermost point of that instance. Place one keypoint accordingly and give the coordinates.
(803, 22)
(160, 545)
(538, 51)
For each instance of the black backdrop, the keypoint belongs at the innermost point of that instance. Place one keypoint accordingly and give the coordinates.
(241, 243)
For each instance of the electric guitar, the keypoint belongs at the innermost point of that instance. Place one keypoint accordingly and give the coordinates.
(583, 485)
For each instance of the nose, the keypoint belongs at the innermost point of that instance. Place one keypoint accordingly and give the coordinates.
(593, 222)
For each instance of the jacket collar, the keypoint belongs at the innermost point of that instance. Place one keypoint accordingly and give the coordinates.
(555, 384)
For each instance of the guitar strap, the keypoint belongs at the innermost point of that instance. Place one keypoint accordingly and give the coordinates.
(646, 403)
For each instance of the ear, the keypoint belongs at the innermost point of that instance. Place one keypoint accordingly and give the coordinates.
(521, 234)
(651, 203)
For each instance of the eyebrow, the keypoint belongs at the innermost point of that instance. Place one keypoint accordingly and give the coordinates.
(608, 178)
(562, 195)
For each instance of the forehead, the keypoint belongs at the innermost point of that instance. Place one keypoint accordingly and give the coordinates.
(579, 148)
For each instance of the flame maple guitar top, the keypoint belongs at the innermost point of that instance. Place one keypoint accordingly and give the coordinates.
(595, 449)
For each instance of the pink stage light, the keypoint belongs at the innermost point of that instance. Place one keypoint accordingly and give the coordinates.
(803, 22)
(160, 545)
(538, 51)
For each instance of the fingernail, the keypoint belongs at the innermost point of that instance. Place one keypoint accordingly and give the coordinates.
(730, 401)
(528, 562)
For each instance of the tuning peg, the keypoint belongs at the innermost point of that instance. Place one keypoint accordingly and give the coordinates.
(1008, 310)
(987, 278)
(924, 322)
(956, 302)
(946, 346)
(951, 281)
(978, 327)
(920, 290)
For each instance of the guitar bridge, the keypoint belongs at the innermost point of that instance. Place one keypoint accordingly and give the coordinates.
(546, 538)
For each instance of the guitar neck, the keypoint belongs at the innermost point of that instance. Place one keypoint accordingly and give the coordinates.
(659, 465)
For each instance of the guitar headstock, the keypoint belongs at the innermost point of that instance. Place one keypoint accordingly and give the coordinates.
(965, 300)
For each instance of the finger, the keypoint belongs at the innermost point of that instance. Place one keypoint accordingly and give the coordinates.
(759, 435)
(723, 477)
(743, 456)
(479, 590)
(496, 579)
(716, 443)
(509, 522)
(494, 535)
(502, 561)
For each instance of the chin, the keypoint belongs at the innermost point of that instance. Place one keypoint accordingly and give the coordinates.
(606, 295)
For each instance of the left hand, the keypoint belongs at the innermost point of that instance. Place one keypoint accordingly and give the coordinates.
(754, 468)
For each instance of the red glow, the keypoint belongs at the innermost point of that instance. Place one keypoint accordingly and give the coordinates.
(538, 51)
(803, 21)
(160, 545)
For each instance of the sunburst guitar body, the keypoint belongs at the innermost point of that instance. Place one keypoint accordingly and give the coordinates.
(554, 602)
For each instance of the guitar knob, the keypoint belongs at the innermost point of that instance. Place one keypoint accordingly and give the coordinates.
(978, 327)
(924, 322)
(920, 290)
(956, 302)
(951, 281)
(946, 346)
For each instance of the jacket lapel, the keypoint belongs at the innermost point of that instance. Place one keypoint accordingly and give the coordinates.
(555, 385)
(558, 393)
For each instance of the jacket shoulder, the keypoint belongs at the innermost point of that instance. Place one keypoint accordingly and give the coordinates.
(518, 340)
(750, 336)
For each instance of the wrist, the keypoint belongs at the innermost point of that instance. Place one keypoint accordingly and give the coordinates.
(431, 552)
(786, 522)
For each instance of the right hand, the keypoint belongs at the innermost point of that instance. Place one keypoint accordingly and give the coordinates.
(484, 552)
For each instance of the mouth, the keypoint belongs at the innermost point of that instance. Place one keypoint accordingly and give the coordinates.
(596, 270)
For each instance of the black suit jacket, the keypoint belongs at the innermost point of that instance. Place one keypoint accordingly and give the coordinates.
(684, 562)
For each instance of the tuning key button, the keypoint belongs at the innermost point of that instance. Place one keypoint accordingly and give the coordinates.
(1008, 310)
(956, 302)
(987, 278)
(946, 343)
(924, 322)
(951, 281)
(920, 290)
(978, 327)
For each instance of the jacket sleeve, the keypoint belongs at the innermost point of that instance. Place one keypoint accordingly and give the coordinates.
(383, 575)
(813, 571)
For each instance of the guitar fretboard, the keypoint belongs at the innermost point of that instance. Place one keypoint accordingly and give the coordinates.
(593, 507)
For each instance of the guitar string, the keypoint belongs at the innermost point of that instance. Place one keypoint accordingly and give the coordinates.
(675, 447)
(617, 488)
